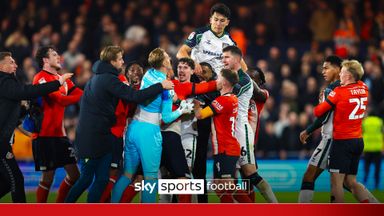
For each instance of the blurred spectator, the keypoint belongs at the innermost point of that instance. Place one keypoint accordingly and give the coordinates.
(295, 23)
(310, 95)
(72, 57)
(18, 44)
(375, 82)
(373, 131)
(322, 22)
(289, 94)
(293, 61)
(344, 38)
(267, 143)
(274, 61)
(289, 140)
(258, 47)
(269, 12)
(239, 37)
(369, 27)
(286, 72)
(84, 74)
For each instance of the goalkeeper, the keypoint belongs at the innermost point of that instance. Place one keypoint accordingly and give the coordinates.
(143, 138)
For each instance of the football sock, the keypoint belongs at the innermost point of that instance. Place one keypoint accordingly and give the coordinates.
(360, 192)
(106, 196)
(266, 191)
(242, 196)
(185, 198)
(306, 192)
(225, 196)
(65, 186)
(252, 196)
(371, 198)
(42, 192)
(263, 186)
(128, 194)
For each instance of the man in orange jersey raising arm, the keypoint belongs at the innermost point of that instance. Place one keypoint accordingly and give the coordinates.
(51, 148)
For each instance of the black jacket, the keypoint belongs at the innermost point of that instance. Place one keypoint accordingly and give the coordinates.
(11, 93)
(97, 109)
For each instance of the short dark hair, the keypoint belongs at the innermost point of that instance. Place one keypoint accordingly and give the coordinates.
(41, 53)
(188, 61)
(206, 64)
(253, 72)
(214, 75)
(4, 54)
(334, 60)
(221, 9)
(234, 50)
(231, 76)
(132, 63)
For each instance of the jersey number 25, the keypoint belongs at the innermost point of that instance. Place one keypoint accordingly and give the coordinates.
(359, 106)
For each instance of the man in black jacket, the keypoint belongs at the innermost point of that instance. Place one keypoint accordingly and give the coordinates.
(11, 94)
(93, 145)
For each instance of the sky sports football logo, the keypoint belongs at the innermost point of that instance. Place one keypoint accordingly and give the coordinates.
(191, 186)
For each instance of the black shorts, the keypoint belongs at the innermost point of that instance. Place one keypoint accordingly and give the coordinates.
(50, 153)
(224, 166)
(344, 156)
(173, 156)
(117, 152)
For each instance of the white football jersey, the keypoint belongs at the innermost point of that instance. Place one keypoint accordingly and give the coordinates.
(244, 92)
(207, 47)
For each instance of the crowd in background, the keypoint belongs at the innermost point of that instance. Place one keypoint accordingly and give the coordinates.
(288, 40)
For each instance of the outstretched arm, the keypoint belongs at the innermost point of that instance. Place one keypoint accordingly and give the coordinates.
(167, 115)
(259, 94)
(202, 113)
(128, 94)
(322, 108)
(184, 51)
(73, 96)
(17, 91)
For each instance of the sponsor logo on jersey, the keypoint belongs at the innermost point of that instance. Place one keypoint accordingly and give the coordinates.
(191, 35)
(42, 80)
(208, 42)
(217, 105)
(207, 52)
(332, 94)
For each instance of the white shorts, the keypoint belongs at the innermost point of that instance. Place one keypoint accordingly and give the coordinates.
(189, 142)
(319, 157)
(246, 138)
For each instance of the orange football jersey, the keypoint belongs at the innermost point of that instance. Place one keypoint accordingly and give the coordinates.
(223, 125)
(350, 103)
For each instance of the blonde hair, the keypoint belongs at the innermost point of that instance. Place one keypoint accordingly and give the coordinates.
(110, 53)
(354, 67)
(156, 58)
